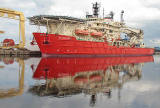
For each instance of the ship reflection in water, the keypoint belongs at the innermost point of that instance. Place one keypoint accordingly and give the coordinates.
(70, 76)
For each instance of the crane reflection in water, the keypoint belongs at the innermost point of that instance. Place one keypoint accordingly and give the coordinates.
(11, 92)
(69, 76)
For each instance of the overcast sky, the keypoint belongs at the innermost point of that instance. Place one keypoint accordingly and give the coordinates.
(143, 14)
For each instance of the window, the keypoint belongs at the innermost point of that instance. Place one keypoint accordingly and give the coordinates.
(102, 30)
(110, 31)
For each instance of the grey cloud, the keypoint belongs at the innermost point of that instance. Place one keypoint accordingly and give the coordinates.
(44, 3)
(151, 29)
(43, 6)
(147, 3)
(154, 6)
(29, 7)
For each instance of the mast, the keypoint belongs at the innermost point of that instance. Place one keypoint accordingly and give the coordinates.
(122, 20)
(103, 12)
(96, 9)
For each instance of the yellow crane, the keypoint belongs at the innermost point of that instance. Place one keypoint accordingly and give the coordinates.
(12, 14)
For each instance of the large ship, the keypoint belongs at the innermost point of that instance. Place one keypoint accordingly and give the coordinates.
(93, 35)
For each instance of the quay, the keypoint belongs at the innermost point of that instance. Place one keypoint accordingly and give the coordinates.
(157, 53)
(19, 52)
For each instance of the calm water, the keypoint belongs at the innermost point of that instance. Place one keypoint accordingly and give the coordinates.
(115, 82)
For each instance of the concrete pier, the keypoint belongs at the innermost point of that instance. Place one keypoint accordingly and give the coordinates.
(19, 52)
(156, 53)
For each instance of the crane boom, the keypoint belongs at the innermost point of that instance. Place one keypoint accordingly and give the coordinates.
(135, 35)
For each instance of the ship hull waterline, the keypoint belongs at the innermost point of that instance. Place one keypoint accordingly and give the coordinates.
(61, 45)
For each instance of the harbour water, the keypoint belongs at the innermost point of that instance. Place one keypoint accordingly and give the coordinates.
(113, 82)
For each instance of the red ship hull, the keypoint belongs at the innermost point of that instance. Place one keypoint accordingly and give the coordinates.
(50, 44)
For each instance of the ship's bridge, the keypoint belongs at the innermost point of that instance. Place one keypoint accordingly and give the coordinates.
(92, 19)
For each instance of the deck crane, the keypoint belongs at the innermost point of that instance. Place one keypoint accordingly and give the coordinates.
(135, 35)
(12, 14)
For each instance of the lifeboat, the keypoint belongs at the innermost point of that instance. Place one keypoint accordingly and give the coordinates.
(96, 34)
(81, 32)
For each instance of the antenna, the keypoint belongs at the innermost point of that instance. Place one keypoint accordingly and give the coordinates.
(96, 9)
(103, 12)
(122, 20)
(87, 13)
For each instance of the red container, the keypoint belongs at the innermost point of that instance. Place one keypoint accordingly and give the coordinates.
(8, 42)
